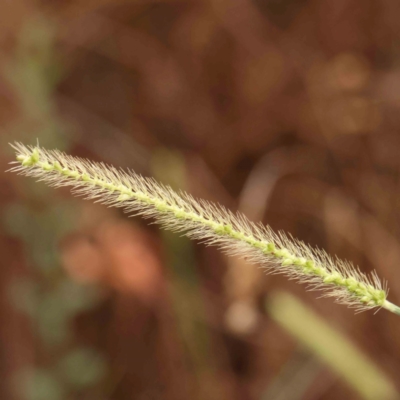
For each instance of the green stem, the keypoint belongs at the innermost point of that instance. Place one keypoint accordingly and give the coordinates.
(391, 307)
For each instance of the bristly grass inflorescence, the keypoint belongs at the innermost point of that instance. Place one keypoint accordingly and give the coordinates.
(207, 222)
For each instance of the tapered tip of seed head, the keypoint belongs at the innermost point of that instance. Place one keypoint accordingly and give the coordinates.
(27, 156)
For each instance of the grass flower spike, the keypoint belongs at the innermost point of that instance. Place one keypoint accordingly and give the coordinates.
(207, 222)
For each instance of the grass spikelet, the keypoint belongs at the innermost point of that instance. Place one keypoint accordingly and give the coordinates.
(207, 222)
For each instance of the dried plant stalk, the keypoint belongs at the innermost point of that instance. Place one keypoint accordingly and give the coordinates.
(207, 222)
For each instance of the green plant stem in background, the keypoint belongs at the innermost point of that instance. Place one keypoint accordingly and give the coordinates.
(331, 346)
(207, 222)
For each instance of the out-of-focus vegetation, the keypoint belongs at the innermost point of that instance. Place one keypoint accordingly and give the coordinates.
(286, 110)
(331, 347)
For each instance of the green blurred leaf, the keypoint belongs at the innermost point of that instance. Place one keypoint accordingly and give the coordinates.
(331, 346)
(24, 296)
(82, 368)
(38, 384)
(78, 298)
(53, 320)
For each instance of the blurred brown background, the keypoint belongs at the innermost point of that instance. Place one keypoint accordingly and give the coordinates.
(285, 109)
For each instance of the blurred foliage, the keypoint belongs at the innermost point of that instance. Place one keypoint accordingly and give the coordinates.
(47, 296)
(330, 346)
(186, 294)
(39, 384)
(82, 368)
